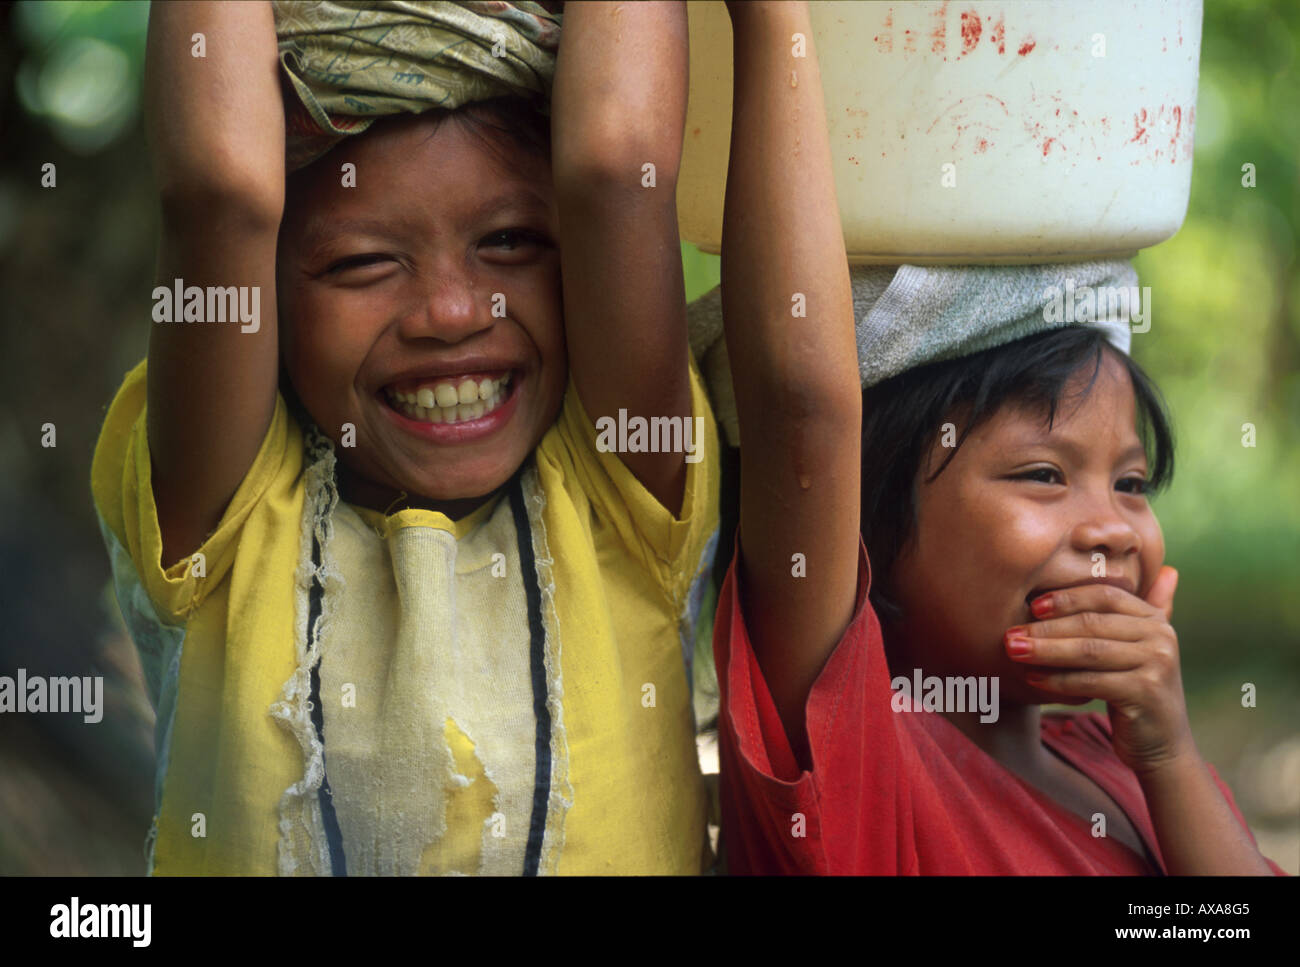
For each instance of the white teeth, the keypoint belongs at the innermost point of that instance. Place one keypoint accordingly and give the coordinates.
(453, 403)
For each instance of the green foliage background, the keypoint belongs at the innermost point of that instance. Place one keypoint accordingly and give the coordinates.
(76, 266)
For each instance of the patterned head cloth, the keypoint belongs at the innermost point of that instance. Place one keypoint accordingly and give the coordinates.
(351, 62)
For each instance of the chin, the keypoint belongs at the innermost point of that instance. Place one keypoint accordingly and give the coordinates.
(469, 484)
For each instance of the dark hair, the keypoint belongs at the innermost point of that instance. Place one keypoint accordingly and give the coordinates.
(511, 120)
(902, 416)
(499, 123)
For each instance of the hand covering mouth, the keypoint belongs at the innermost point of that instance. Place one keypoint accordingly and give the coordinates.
(1123, 583)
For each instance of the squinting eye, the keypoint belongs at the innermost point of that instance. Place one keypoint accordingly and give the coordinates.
(511, 239)
(1041, 475)
(357, 261)
(1133, 485)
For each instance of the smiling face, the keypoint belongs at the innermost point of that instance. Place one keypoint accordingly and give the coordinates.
(1023, 509)
(423, 307)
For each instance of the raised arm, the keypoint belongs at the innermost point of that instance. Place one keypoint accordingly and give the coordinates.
(788, 312)
(619, 104)
(216, 125)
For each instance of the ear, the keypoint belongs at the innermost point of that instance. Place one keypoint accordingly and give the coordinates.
(1161, 594)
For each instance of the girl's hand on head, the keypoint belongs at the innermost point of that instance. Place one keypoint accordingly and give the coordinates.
(1096, 641)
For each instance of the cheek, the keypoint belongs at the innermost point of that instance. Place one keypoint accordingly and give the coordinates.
(1000, 540)
(1023, 536)
(977, 551)
(328, 340)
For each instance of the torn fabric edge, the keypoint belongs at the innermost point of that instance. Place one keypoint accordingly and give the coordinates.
(560, 798)
(302, 832)
(159, 647)
(689, 615)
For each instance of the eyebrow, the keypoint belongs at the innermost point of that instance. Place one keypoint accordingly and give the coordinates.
(321, 228)
(520, 198)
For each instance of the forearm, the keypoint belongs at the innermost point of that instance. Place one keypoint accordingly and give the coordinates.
(788, 312)
(216, 122)
(620, 103)
(1197, 831)
(217, 139)
(606, 116)
(781, 226)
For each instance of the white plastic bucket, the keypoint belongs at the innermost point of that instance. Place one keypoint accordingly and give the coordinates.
(1067, 126)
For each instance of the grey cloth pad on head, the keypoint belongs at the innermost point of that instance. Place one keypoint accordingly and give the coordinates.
(910, 315)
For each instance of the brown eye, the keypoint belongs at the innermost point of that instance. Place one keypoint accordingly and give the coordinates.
(1045, 475)
(512, 239)
(1133, 485)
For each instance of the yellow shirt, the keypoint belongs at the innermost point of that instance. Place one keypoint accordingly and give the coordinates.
(492, 698)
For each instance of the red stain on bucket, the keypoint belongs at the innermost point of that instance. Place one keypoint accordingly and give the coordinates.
(1026, 47)
(939, 35)
(971, 28)
(885, 39)
(1139, 128)
(998, 35)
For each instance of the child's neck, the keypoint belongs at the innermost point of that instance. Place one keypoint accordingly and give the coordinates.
(1014, 740)
(363, 492)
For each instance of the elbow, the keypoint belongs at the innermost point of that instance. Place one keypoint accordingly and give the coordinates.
(825, 406)
(249, 199)
(799, 383)
(617, 159)
(816, 412)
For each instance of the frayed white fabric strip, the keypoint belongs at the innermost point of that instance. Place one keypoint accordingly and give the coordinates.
(561, 794)
(303, 848)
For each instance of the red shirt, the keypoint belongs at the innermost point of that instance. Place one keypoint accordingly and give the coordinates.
(899, 792)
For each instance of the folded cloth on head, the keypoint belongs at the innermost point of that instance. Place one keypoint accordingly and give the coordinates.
(350, 62)
(910, 315)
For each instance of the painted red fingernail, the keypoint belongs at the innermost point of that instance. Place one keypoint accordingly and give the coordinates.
(1019, 647)
(1041, 606)
(1019, 631)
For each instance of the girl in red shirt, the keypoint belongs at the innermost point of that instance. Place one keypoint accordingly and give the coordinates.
(1003, 503)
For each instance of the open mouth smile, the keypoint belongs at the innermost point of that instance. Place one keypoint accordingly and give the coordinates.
(456, 400)
(453, 409)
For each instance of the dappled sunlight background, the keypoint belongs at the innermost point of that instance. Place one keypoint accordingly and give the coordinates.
(76, 270)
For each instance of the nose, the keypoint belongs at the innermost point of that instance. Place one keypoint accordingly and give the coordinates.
(1106, 528)
(447, 306)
